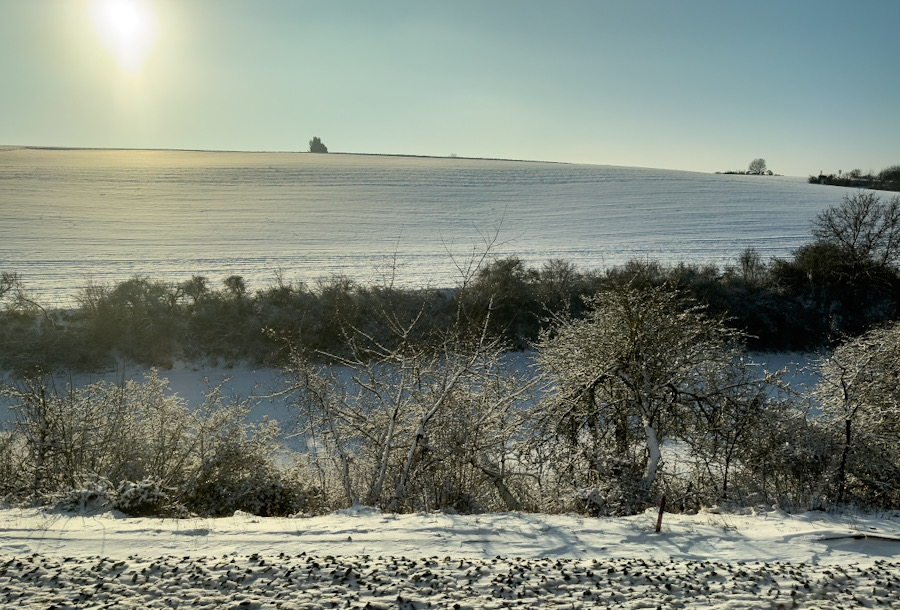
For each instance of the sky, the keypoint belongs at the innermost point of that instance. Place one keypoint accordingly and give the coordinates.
(703, 85)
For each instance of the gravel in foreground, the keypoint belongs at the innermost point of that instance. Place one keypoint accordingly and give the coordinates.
(306, 582)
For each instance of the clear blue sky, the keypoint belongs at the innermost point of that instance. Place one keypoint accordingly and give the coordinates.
(685, 84)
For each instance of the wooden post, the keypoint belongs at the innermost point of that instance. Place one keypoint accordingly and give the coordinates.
(662, 507)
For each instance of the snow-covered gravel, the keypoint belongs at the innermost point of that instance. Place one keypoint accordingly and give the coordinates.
(364, 581)
(362, 558)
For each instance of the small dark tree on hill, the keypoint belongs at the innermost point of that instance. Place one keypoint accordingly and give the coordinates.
(235, 285)
(317, 146)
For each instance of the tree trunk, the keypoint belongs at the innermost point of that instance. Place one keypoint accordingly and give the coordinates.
(375, 493)
(420, 433)
(725, 478)
(842, 469)
(496, 477)
(655, 456)
(400, 491)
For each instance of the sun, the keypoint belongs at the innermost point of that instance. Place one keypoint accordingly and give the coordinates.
(127, 28)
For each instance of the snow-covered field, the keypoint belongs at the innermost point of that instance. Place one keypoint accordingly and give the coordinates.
(67, 216)
(361, 558)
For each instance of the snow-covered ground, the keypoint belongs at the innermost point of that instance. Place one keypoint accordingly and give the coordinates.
(361, 558)
(73, 215)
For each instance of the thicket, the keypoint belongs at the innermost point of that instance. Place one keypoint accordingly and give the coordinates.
(139, 448)
(647, 394)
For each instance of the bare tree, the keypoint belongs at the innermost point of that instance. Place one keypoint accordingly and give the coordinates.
(757, 166)
(645, 365)
(724, 428)
(864, 227)
(409, 420)
(414, 426)
(10, 282)
(751, 265)
(860, 399)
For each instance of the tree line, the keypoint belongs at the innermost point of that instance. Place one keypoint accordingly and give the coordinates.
(887, 179)
(842, 282)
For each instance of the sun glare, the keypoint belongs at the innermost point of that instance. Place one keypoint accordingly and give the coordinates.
(127, 28)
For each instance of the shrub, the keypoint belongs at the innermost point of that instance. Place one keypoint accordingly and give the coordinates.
(647, 365)
(137, 448)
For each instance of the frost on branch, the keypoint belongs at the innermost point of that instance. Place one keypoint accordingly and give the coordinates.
(646, 366)
(860, 396)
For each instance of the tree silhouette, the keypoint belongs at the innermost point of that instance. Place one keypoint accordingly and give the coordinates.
(865, 229)
(316, 146)
(757, 166)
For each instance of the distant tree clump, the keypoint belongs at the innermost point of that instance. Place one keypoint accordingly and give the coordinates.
(890, 178)
(757, 166)
(317, 146)
(887, 179)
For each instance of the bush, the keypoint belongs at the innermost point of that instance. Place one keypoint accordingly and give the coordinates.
(416, 419)
(139, 449)
(147, 497)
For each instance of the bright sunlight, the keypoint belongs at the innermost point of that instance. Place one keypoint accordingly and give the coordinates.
(127, 28)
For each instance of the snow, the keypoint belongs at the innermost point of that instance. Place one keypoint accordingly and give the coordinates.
(69, 216)
(361, 556)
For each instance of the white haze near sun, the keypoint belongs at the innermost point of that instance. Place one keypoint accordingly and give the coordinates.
(127, 29)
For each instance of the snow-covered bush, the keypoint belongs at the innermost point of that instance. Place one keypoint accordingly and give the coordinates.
(617, 490)
(647, 364)
(13, 456)
(94, 494)
(140, 498)
(860, 396)
(787, 461)
(409, 416)
(142, 451)
(235, 468)
(144, 498)
(72, 435)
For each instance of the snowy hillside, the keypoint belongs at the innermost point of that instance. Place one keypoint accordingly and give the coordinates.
(73, 215)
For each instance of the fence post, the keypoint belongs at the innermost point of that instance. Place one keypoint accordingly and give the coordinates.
(662, 507)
